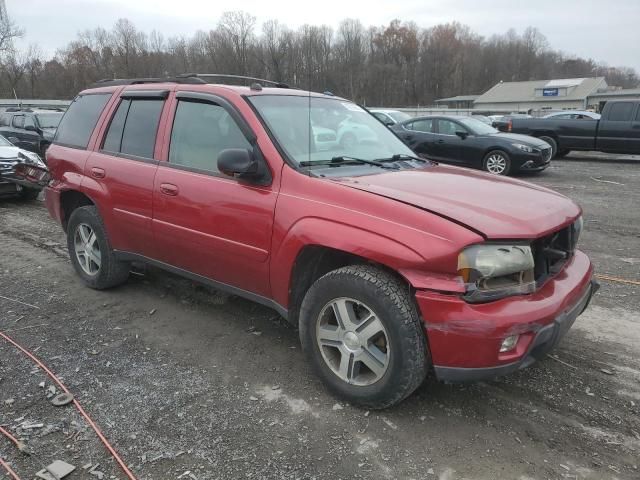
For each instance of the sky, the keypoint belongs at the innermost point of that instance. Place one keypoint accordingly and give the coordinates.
(608, 32)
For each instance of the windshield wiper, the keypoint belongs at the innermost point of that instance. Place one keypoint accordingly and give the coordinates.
(344, 160)
(402, 156)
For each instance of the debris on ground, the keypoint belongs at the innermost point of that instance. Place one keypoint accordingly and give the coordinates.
(61, 399)
(56, 471)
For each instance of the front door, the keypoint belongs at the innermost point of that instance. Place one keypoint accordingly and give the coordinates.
(204, 221)
(447, 145)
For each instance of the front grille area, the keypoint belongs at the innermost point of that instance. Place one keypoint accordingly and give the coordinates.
(546, 154)
(550, 253)
(7, 165)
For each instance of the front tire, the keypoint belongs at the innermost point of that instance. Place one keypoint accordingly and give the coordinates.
(554, 145)
(90, 251)
(361, 333)
(562, 153)
(497, 162)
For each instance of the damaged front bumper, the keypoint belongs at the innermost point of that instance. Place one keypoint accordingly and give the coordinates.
(465, 339)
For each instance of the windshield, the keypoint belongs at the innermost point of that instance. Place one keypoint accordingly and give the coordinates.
(478, 127)
(4, 142)
(338, 129)
(49, 120)
(399, 116)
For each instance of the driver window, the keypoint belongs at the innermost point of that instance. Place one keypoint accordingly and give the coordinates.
(200, 132)
(447, 127)
(29, 121)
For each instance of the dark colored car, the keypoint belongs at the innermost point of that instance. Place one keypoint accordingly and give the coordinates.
(390, 265)
(468, 142)
(21, 172)
(617, 130)
(30, 130)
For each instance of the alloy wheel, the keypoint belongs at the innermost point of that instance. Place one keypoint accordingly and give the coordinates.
(496, 164)
(87, 249)
(353, 341)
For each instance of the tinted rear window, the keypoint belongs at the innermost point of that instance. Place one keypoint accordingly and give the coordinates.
(78, 123)
(139, 136)
(621, 112)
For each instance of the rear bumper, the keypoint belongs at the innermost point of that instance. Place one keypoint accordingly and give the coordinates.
(464, 339)
(52, 201)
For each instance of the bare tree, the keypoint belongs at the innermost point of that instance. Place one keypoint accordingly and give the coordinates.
(392, 65)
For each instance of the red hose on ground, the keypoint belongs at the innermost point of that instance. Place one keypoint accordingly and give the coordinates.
(6, 466)
(75, 402)
(11, 437)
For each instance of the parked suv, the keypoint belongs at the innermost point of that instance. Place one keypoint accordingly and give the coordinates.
(390, 265)
(31, 130)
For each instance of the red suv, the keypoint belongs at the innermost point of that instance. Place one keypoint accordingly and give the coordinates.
(389, 265)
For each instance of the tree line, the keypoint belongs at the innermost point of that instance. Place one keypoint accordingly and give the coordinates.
(400, 64)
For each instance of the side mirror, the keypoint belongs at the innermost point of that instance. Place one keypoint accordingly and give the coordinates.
(239, 162)
(30, 128)
(462, 134)
(389, 123)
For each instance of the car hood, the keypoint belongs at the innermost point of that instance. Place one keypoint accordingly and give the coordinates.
(9, 151)
(496, 207)
(516, 138)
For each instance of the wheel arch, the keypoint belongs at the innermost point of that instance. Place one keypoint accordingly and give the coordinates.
(314, 261)
(70, 200)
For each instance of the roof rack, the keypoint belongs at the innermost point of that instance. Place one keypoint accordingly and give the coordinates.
(108, 82)
(188, 78)
(205, 76)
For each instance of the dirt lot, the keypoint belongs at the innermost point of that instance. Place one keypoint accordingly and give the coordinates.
(194, 384)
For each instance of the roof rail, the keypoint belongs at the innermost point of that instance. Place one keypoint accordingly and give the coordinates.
(205, 76)
(189, 78)
(108, 82)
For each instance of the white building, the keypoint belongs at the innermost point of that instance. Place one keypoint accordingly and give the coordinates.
(560, 94)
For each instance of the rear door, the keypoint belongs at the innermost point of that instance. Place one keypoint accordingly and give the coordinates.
(419, 136)
(123, 169)
(205, 222)
(618, 131)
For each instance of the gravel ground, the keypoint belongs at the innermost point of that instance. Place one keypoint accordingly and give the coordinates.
(191, 383)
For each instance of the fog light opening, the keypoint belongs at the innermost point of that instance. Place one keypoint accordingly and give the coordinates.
(509, 343)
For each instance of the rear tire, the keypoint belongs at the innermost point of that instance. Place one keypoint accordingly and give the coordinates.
(377, 336)
(90, 251)
(497, 162)
(554, 145)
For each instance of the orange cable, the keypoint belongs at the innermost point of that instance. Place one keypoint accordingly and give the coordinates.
(11, 437)
(6, 466)
(616, 279)
(75, 402)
